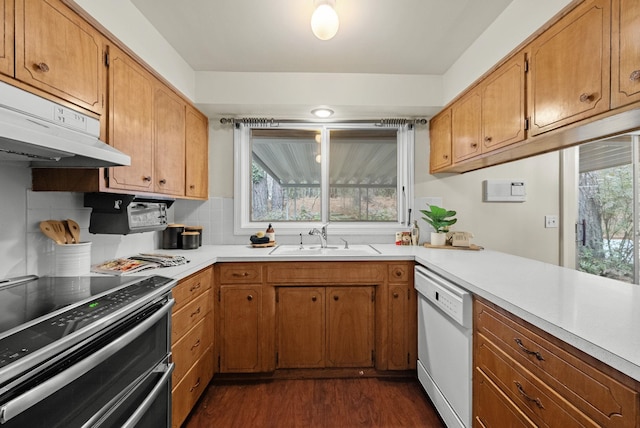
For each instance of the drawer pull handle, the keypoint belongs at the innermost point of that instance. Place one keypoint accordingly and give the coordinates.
(241, 275)
(526, 351)
(163, 181)
(193, 314)
(527, 397)
(195, 287)
(635, 75)
(196, 385)
(195, 345)
(146, 178)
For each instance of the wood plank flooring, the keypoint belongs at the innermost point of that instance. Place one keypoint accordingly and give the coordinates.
(362, 402)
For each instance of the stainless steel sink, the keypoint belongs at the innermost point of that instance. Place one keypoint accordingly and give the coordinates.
(337, 251)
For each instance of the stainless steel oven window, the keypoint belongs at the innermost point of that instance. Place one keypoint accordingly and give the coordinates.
(111, 390)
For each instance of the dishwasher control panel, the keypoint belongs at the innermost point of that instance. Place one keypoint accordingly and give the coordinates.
(452, 300)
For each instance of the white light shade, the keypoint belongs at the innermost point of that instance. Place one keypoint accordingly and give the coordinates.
(322, 112)
(324, 22)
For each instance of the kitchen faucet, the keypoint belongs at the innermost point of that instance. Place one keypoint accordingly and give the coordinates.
(322, 233)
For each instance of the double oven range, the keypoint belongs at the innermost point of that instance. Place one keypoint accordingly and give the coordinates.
(85, 351)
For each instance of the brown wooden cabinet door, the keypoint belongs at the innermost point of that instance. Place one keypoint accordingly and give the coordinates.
(240, 331)
(169, 148)
(440, 141)
(301, 327)
(130, 127)
(59, 52)
(399, 327)
(197, 155)
(503, 105)
(6, 37)
(625, 53)
(350, 326)
(466, 129)
(570, 67)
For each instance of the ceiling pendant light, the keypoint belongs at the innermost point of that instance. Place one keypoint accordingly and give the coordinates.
(324, 21)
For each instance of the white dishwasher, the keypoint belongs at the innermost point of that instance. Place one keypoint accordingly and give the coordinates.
(445, 346)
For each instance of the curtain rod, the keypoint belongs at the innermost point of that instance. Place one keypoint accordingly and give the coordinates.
(266, 122)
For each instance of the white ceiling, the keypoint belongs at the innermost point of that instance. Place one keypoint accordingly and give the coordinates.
(375, 36)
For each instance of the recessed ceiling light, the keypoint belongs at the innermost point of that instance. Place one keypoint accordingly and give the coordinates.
(322, 112)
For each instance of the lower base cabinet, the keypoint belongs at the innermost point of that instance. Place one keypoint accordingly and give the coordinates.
(192, 339)
(530, 378)
(315, 315)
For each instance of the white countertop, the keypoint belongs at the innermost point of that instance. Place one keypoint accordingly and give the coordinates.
(596, 315)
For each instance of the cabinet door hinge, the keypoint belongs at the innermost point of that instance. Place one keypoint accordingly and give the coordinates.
(526, 123)
(219, 295)
(373, 356)
(408, 294)
(277, 295)
(105, 175)
(373, 295)
(408, 358)
(526, 65)
(106, 59)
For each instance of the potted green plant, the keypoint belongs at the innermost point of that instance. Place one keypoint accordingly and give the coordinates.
(440, 219)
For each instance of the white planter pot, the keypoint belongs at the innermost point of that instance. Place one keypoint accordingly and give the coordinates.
(438, 238)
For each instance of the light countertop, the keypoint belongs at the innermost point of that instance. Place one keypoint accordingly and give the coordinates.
(597, 315)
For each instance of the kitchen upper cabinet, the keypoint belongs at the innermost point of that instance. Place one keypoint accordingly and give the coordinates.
(59, 52)
(6, 37)
(169, 136)
(440, 141)
(503, 105)
(197, 155)
(625, 53)
(466, 126)
(569, 68)
(131, 124)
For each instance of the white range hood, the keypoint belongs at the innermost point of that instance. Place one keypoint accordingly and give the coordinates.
(50, 135)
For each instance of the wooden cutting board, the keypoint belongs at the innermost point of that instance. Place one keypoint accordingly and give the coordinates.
(471, 247)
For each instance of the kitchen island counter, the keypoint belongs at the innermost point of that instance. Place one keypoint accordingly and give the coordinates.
(598, 316)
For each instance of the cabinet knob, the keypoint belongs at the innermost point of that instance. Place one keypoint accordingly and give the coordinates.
(487, 139)
(585, 98)
(336, 298)
(445, 156)
(146, 178)
(474, 145)
(192, 186)
(635, 75)
(314, 298)
(163, 181)
(395, 295)
(249, 297)
(42, 66)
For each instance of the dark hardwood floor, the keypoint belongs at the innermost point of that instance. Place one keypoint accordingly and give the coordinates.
(362, 402)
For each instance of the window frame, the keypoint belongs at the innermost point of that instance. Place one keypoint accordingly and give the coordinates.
(242, 182)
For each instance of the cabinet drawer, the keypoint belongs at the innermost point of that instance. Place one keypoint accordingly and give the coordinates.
(542, 404)
(400, 272)
(598, 395)
(191, 287)
(188, 349)
(240, 273)
(326, 273)
(492, 408)
(189, 315)
(188, 390)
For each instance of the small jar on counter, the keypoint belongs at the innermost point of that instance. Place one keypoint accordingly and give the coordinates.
(190, 240)
(197, 229)
(171, 236)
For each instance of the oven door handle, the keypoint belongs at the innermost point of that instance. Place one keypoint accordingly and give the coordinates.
(14, 407)
(148, 402)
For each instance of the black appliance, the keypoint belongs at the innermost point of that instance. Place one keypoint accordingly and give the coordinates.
(91, 351)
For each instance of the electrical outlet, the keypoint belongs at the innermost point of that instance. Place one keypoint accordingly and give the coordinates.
(550, 221)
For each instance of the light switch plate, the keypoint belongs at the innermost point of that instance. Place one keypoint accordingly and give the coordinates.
(550, 221)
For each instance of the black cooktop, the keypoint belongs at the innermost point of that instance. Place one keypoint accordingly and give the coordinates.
(36, 312)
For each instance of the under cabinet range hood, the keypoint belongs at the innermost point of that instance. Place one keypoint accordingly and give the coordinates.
(121, 214)
(50, 135)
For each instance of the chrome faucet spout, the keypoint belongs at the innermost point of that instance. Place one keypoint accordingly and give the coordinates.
(322, 233)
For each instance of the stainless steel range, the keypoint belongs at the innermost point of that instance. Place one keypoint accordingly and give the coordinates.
(85, 351)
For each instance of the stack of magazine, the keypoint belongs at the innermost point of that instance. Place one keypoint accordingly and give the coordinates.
(142, 261)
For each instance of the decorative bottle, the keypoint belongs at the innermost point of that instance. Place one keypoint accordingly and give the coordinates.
(270, 233)
(415, 233)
